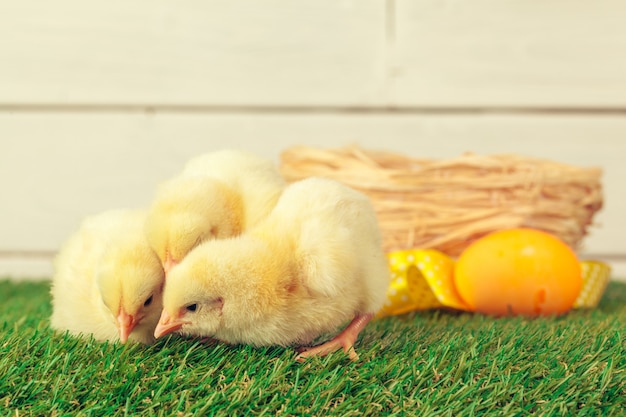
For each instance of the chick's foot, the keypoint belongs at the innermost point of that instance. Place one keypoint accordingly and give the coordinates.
(208, 341)
(344, 340)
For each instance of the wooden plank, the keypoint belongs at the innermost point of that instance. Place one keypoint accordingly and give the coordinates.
(275, 52)
(514, 53)
(18, 268)
(57, 168)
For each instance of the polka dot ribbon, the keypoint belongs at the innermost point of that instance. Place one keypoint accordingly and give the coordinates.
(423, 279)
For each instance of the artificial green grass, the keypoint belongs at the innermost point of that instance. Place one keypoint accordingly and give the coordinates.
(425, 364)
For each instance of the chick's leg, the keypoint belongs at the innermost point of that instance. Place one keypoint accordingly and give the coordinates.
(344, 340)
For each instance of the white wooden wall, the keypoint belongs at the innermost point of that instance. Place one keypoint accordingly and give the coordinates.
(99, 101)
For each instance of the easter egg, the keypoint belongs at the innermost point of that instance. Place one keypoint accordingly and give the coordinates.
(518, 271)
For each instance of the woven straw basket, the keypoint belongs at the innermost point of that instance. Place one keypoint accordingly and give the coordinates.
(447, 204)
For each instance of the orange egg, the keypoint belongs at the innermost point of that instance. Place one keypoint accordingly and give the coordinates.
(518, 271)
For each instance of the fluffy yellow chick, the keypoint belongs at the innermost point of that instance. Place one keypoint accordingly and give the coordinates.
(108, 282)
(217, 195)
(315, 263)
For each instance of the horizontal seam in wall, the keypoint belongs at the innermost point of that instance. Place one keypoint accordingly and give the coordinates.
(44, 254)
(307, 109)
(24, 254)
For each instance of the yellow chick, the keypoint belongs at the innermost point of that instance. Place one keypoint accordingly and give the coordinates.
(217, 195)
(315, 263)
(108, 282)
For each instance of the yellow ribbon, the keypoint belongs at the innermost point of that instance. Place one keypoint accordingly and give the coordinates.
(596, 276)
(423, 279)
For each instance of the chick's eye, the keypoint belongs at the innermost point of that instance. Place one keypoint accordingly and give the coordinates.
(148, 301)
(192, 307)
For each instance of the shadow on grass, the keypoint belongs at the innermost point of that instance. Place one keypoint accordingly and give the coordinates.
(614, 298)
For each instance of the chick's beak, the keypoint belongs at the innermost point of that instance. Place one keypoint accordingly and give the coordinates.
(167, 325)
(126, 323)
